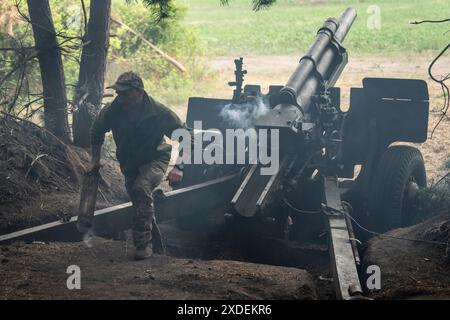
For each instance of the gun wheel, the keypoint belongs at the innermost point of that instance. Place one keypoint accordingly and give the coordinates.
(397, 179)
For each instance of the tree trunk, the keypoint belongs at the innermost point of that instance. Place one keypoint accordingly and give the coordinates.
(51, 67)
(89, 91)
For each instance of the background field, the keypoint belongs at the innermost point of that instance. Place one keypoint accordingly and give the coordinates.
(290, 25)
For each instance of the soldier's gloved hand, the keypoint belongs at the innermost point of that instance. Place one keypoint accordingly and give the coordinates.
(175, 176)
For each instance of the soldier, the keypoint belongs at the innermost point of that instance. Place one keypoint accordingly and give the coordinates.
(138, 124)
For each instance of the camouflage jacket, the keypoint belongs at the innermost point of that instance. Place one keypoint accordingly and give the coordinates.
(139, 142)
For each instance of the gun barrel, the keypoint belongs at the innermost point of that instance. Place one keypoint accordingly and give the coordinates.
(345, 22)
(323, 62)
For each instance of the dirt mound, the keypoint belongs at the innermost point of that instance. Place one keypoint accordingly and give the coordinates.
(38, 271)
(41, 176)
(413, 269)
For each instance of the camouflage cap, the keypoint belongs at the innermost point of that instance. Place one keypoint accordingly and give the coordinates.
(127, 80)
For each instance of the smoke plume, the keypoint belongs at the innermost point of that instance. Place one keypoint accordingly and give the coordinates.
(244, 115)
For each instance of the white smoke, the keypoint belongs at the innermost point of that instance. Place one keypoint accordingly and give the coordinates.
(244, 115)
(88, 238)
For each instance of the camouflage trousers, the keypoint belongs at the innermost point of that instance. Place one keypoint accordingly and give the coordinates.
(140, 186)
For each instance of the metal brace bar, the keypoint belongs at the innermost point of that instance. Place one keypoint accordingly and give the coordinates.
(342, 256)
(111, 220)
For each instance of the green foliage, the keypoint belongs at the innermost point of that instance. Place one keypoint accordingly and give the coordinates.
(67, 19)
(161, 9)
(130, 52)
(18, 73)
(127, 51)
(257, 4)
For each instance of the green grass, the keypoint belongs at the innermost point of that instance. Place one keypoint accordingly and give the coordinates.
(289, 26)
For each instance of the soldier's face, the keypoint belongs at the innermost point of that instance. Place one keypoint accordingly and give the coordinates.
(130, 97)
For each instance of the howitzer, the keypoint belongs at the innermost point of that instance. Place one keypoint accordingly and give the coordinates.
(309, 121)
(336, 167)
(307, 116)
(317, 186)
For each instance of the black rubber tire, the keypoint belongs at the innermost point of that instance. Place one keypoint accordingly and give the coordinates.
(386, 207)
